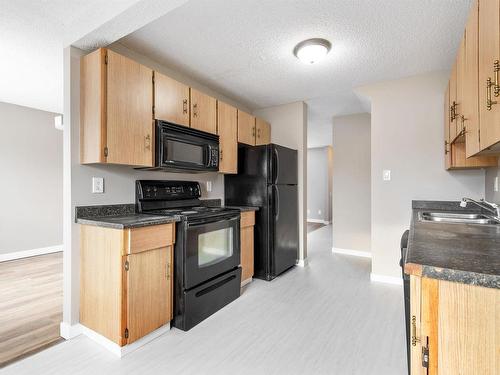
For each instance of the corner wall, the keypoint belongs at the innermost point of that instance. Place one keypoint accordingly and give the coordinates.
(407, 137)
(319, 184)
(352, 183)
(289, 129)
(31, 151)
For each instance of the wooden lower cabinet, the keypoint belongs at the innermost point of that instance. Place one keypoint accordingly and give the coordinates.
(455, 328)
(247, 246)
(126, 288)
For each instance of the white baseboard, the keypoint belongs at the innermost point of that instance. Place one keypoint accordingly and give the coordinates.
(69, 331)
(30, 253)
(356, 253)
(386, 279)
(116, 349)
(326, 222)
(302, 262)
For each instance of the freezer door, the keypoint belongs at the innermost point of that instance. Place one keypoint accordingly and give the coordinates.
(283, 165)
(284, 227)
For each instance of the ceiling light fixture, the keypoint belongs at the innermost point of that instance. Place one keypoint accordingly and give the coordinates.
(313, 50)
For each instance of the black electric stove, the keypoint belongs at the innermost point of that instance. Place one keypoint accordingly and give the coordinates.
(207, 249)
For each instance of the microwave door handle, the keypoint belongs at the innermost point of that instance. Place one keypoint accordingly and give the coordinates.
(209, 163)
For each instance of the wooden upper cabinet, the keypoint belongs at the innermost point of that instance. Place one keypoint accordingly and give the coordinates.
(460, 87)
(453, 101)
(447, 146)
(116, 110)
(227, 125)
(263, 132)
(470, 93)
(489, 52)
(246, 128)
(171, 100)
(203, 112)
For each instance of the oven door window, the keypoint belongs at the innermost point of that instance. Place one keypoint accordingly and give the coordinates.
(215, 247)
(184, 153)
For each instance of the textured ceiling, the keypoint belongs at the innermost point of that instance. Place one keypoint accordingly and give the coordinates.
(243, 48)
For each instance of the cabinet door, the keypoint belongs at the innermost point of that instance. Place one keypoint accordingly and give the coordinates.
(471, 83)
(263, 135)
(227, 125)
(447, 146)
(453, 101)
(171, 100)
(149, 291)
(129, 126)
(246, 128)
(247, 253)
(203, 112)
(489, 52)
(460, 84)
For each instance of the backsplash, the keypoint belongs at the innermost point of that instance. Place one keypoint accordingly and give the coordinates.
(491, 195)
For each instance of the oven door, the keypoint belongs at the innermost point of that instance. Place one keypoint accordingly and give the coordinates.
(212, 248)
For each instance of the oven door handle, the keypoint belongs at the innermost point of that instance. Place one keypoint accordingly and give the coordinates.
(200, 222)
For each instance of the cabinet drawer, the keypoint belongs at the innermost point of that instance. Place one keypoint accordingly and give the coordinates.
(147, 238)
(247, 219)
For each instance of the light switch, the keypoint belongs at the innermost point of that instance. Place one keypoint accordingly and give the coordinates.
(386, 175)
(97, 185)
(495, 184)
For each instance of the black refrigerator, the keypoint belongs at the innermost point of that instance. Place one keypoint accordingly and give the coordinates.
(267, 178)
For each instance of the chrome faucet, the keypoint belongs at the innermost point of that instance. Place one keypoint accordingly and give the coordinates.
(491, 207)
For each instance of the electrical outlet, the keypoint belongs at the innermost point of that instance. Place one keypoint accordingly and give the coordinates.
(495, 184)
(209, 185)
(386, 175)
(97, 185)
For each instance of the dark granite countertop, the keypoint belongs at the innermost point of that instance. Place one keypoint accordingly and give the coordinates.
(464, 253)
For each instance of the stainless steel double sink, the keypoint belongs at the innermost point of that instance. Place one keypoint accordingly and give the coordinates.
(457, 218)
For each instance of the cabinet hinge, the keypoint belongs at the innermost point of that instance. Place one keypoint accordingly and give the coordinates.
(126, 333)
(479, 134)
(425, 356)
(106, 59)
(106, 151)
(127, 265)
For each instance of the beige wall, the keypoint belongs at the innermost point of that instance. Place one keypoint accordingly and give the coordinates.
(289, 129)
(319, 183)
(352, 182)
(31, 185)
(118, 180)
(407, 137)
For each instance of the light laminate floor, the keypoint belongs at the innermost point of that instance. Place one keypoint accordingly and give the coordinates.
(326, 318)
(30, 304)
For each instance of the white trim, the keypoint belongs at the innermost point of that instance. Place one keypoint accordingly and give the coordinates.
(356, 253)
(386, 279)
(69, 332)
(118, 350)
(320, 221)
(302, 262)
(247, 281)
(30, 253)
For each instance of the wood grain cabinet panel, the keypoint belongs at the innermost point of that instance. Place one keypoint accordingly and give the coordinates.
(171, 100)
(447, 146)
(116, 124)
(458, 325)
(125, 297)
(453, 100)
(247, 223)
(227, 127)
(263, 132)
(246, 128)
(203, 112)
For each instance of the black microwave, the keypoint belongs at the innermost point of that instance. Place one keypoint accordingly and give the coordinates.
(179, 148)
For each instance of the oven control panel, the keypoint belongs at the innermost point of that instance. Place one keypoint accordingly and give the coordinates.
(167, 190)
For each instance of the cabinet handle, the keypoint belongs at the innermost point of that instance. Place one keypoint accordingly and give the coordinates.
(147, 142)
(168, 271)
(454, 113)
(221, 155)
(195, 110)
(258, 133)
(446, 147)
(253, 132)
(185, 106)
(489, 102)
(496, 69)
(414, 338)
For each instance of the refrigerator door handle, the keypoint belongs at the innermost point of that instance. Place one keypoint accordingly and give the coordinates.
(276, 202)
(276, 166)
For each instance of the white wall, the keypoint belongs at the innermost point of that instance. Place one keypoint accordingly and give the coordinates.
(407, 137)
(31, 186)
(352, 182)
(319, 183)
(491, 194)
(289, 129)
(118, 180)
